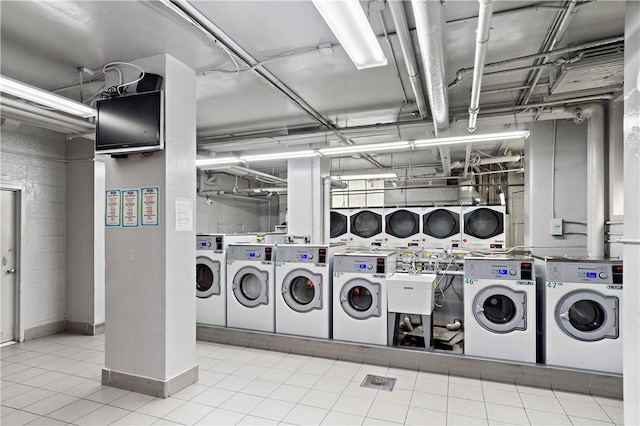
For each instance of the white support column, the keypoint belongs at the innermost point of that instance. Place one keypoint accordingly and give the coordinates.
(305, 198)
(631, 301)
(150, 296)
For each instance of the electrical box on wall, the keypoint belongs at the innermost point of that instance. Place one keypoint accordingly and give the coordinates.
(556, 226)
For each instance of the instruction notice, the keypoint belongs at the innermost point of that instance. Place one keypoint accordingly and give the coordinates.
(184, 214)
(149, 206)
(112, 208)
(130, 207)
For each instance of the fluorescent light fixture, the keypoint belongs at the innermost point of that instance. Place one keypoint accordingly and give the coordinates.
(281, 156)
(488, 137)
(43, 97)
(369, 176)
(351, 27)
(502, 199)
(204, 162)
(364, 148)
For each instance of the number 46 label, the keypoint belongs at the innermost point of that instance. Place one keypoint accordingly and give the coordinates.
(468, 280)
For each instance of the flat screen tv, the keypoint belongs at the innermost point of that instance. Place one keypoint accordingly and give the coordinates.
(130, 124)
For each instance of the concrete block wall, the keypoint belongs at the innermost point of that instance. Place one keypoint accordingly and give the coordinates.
(35, 161)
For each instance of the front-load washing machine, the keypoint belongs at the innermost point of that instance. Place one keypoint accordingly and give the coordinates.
(500, 308)
(484, 227)
(583, 310)
(441, 227)
(250, 286)
(303, 289)
(360, 295)
(366, 227)
(211, 302)
(402, 227)
(339, 226)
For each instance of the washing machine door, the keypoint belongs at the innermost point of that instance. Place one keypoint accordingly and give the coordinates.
(360, 299)
(302, 290)
(500, 309)
(337, 224)
(588, 315)
(483, 223)
(251, 287)
(402, 223)
(207, 277)
(366, 224)
(441, 223)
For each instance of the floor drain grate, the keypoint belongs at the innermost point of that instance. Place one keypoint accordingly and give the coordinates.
(378, 382)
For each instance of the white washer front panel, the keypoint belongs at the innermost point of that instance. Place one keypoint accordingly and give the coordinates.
(211, 292)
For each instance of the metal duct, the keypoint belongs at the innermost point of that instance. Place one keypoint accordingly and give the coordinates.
(402, 31)
(482, 41)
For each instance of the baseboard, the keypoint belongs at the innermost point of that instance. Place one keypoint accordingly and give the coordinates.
(542, 376)
(44, 330)
(84, 328)
(148, 386)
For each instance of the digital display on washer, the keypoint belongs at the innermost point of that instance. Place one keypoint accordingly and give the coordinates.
(502, 272)
(304, 256)
(203, 244)
(591, 275)
(362, 266)
(252, 254)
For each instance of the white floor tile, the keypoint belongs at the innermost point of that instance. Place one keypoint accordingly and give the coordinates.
(319, 399)
(12, 368)
(260, 388)
(27, 398)
(488, 384)
(272, 409)
(160, 407)
(579, 421)
(134, 419)
(609, 402)
(404, 382)
(338, 418)
(616, 414)
(209, 378)
(242, 403)
(366, 369)
(584, 409)
(14, 390)
(132, 401)
(221, 417)
(289, 393)
(213, 397)
(397, 396)
(545, 418)
(46, 378)
(425, 375)
(74, 411)
(102, 416)
(466, 407)
(429, 401)
(190, 392)
(65, 383)
(541, 403)
(189, 413)
(388, 411)
(353, 405)
(354, 389)
(107, 395)
(83, 389)
(530, 390)
(419, 416)
(465, 381)
(226, 367)
(331, 384)
(302, 380)
(572, 396)
(338, 371)
(50, 404)
(437, 387)
(511, 415)
(502, 397)
(250, 371)
(276, 376)
(462, 420)
(305, 415)
(18, 417)
(253, 420)
(46, 421)
(377, 422)
(165, 422)
(458, 390)
(268, 360)
(233, 383)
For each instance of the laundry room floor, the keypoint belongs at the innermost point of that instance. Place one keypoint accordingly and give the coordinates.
(56, 381)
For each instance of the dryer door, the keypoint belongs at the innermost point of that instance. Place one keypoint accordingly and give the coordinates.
(302, 290)
(402, 223)
(441, 223)
(360, 299)
(251, 287)
(500, 309)
(588, 315)
(207, 277)
(366, 224)
(483, 223)
(337, 224)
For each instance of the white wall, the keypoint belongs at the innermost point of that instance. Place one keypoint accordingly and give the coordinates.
(35, 161)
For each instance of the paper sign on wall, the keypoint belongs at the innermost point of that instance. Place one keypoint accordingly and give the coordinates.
(112, 208)
(184, 214)
(130, 208)
(149, 206)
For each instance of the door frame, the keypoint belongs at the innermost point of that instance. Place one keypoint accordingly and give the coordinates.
(20, 190)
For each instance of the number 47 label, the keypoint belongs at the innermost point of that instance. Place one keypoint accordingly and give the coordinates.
(552, 284)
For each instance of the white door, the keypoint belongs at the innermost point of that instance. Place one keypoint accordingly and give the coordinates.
(8, 233)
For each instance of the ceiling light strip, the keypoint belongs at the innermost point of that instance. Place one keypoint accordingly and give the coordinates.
(488, 137)
(365, 148)
(369, 176)
(281, 156)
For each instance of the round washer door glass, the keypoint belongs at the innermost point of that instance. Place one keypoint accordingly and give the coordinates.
(207, 277)
(251, 287)
(588, 315)
(441, 223)
(302, 290)
(360, 299)
(483, 223)
(500, 309)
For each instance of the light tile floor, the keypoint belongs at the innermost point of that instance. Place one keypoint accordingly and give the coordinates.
(56, 380)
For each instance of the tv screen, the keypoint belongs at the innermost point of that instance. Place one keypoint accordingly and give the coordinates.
(132, 123)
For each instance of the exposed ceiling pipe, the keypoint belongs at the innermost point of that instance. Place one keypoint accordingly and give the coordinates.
(557, 35)
(482, 41)
(406, 45)
(430, 26)
(245, 171)
(492, 160)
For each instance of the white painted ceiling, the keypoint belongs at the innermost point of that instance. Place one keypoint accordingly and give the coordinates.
(44, 42)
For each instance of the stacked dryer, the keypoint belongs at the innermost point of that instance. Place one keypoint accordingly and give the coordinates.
(211, 302)
(484, 227)
(251, 286)
(339, 226)
(441, 227)
(500, 308)
(402, 227)
(366, 227)
(360, 295)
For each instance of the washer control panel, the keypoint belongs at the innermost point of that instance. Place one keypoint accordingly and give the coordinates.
(306, 254)
(585, 272)
(209, 242)
(257, 253)
(373, 263)
(499, 269)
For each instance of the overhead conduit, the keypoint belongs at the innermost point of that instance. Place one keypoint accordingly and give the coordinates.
(482, 40)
